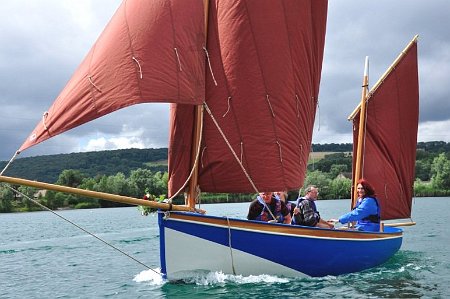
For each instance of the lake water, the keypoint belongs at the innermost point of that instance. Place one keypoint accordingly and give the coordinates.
(43, 256)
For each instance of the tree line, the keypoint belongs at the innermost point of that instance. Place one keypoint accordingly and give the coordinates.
(331, 174)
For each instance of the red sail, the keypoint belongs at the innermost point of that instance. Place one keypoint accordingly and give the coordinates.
(151, 51)
(266, 57)
(391, 137)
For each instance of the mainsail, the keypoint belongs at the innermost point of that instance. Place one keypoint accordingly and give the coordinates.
(266, 60)
(390, 138)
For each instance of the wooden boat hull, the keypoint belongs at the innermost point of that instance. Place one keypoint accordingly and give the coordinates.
(191, 243)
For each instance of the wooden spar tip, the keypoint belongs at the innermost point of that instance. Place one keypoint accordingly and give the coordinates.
(101, 195)
(386, 73)
(366, 67)
(400, 224)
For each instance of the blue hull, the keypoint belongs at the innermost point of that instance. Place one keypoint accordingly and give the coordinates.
(191, 242)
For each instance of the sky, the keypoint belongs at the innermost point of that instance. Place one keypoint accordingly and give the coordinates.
(42, 42)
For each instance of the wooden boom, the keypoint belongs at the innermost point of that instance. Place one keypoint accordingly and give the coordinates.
(100, 195)
(400, 224)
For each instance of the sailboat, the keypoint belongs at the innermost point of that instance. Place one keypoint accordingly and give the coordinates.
(243, 80)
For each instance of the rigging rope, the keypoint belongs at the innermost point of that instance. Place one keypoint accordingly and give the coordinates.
(10, 161)
(229, 245)
(229, 146)
(81, 228)
(236, 157)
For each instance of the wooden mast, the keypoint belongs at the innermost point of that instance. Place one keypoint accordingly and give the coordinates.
(198, 121)
(100, 195)
(361, 132)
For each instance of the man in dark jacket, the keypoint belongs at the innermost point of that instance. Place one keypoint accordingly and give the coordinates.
(306, 212)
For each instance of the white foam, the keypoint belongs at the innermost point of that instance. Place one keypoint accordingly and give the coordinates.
(212, 278)
(152, 276)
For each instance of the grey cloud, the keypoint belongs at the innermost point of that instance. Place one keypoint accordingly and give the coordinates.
(42, 44)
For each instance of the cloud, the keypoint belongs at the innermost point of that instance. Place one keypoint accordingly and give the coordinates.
(44, 41)
(434, 130)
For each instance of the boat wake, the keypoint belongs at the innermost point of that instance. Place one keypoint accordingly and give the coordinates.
(151, 276)
(214, 278)
(208, 278)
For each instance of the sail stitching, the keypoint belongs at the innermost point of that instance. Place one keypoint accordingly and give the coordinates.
(263, 76)
(293, 52)
(301, 154)
(242, 150)
(130, 44)
(229, 146)
(210, 67)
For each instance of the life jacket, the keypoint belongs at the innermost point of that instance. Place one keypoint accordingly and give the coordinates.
(313, 217)
(289, 205)
(374, 218)
(265, 215)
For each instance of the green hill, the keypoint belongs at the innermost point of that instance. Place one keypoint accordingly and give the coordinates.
(47, 168)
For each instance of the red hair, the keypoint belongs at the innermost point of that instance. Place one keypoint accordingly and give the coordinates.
(370, 191)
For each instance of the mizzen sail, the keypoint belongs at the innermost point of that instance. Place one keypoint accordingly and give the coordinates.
(390, 138)
(266, 57)
(151, 51)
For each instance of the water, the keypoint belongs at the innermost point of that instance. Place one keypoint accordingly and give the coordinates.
(42, 256)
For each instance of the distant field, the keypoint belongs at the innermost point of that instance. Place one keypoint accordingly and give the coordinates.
(316, 156)
(157, 163)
